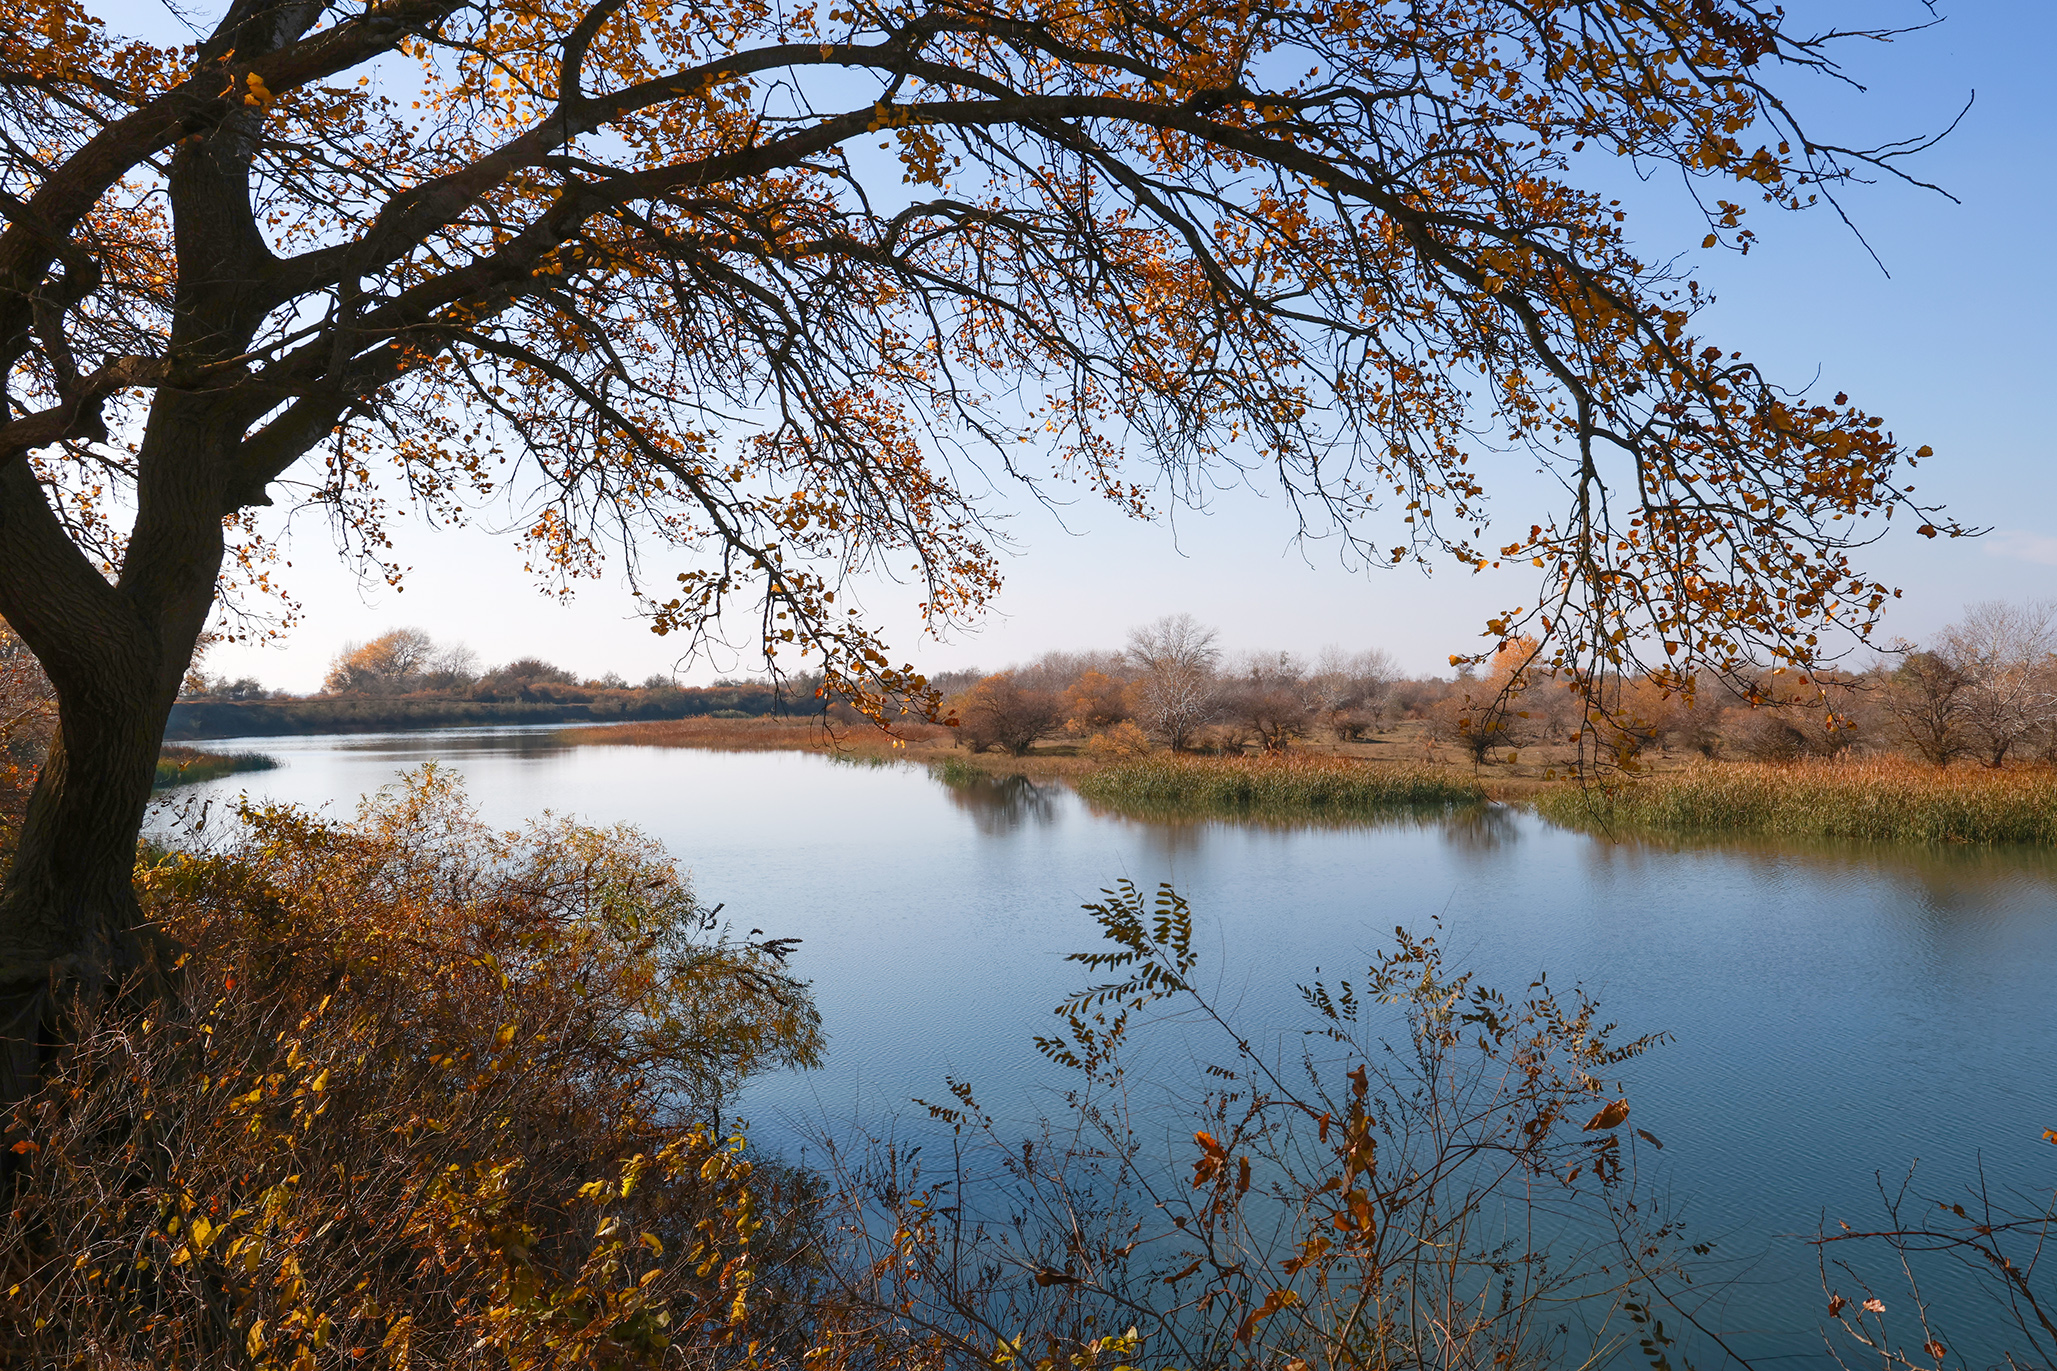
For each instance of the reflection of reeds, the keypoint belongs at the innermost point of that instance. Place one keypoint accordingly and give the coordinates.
(1271, 787)
(956, 772)
(1878, 800)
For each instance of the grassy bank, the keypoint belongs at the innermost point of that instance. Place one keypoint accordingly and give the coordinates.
(1875, 800)
(1266, 787)
(190, 766)
(1878, 800)
(721, 735)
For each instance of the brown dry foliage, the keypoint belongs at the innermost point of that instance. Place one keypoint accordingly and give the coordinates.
(1002, 712)
(422, 1092)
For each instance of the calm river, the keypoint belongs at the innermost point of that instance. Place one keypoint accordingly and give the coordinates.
(1836, 1013)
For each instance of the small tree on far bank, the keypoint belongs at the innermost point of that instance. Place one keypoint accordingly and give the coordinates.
(1269, 694)
(2002, 652)
(1096, 701)
(1351, 690)
(1174, 691)
(1924, 700)
(1002, 712)
(1482, 717)
(389, 664)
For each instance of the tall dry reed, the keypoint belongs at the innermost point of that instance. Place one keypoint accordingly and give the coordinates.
(1872, 800)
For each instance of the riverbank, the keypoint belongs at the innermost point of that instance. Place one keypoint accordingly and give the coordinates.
(192, 720)
(1870, 799)
(908, 742)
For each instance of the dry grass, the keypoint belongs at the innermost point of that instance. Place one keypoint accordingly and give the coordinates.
(1874, 799)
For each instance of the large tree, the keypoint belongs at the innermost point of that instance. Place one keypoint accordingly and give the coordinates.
(738, 288)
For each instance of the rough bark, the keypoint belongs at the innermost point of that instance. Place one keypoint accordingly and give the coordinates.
(115, 652)
(70, 925)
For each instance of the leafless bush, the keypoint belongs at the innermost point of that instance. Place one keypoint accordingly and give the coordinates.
(1268, 694)
(1351, 690)
(1002, 712)
(1441, 1177)
(1995, 1243)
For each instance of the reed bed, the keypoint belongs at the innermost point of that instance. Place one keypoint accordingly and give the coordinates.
(1871, 800)
(749, 735)
(1285, 787)
(190, 766)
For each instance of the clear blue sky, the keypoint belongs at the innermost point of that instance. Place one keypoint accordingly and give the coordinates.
(1954, 348)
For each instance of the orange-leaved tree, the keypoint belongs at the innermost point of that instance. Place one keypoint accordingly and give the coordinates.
(728, 286)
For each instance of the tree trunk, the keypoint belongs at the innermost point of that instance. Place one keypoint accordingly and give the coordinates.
(71, 930)
(69, 921)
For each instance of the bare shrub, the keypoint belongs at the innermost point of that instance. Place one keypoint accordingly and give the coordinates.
(1001, 712)
(1372, 1195)
(1351, 691)
(1268, 694)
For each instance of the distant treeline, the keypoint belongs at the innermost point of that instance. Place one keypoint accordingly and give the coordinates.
(404, 679)
(203, 718)
(1984, 688)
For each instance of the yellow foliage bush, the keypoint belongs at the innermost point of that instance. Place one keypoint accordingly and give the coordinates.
(422, 1093)
(1121, 743)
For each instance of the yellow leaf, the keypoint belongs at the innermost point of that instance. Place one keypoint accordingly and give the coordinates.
(1609, 1117)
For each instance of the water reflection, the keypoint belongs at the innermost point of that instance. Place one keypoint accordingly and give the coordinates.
(1480, 828)
(410, 748)
(1000, 803)
(1939, 877)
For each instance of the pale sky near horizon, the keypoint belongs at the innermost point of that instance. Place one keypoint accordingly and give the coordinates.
(1953, 348)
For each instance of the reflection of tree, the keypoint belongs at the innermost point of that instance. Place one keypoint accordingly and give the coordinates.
(1002, 804)
(1174, 832)
(1480, 828)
